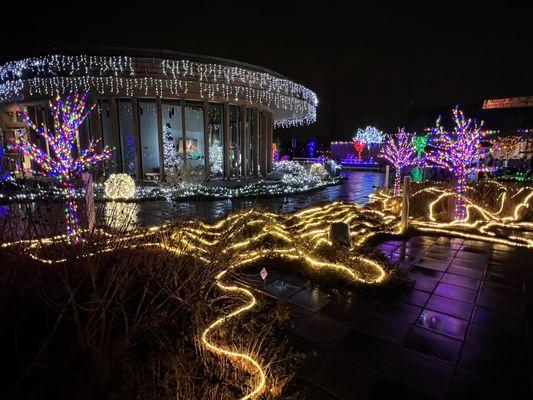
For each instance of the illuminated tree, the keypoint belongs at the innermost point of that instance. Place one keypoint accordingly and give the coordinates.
(370, 135)
(458, 151)
(4, 176)
(68, 114)
(130, 155)
(170, 154)
(216, 157)
(399, 151)
(506, 147)
(359, 147)
(311, 148)
(419, 142)
(275, 152)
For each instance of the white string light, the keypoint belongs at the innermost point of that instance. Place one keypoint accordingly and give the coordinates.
(125, 76)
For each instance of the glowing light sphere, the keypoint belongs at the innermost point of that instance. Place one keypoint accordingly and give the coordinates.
(119, 186)
(318, 170)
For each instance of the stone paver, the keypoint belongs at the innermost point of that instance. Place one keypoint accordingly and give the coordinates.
(461, 329)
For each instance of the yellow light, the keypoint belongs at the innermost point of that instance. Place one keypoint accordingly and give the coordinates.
(119, 186)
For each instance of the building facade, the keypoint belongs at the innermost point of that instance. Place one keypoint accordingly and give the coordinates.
(162, 112)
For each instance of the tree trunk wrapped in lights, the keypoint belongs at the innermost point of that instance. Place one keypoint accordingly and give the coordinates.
(399, 151)
(68, 114)
(459, 152)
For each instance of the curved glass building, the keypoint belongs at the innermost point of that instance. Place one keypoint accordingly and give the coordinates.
(163, 112)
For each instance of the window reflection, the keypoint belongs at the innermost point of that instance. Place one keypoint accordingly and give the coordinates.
(235, 141)
(249, 140)
(261, 143)
(109, 138)
(172, 135)
(127, 143)
(194, 141)
(216, 140)
(149, 139)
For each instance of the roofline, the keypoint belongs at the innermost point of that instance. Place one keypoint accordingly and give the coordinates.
(143, 53)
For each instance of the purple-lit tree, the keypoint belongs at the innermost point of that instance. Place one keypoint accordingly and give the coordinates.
(458, 151)
(68, 114)
(399, 151)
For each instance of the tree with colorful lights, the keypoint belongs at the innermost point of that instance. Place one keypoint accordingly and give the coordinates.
(275, 152)
(506, 147)
(400, 152)
(4, 176)
(459, 152)
(420, 143)
(68, 114)
(359, 147)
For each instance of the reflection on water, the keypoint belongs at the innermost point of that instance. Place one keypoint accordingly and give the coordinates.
(356, 188)
(121, 216)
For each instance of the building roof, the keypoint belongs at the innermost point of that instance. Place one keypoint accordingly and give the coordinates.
(127, 72)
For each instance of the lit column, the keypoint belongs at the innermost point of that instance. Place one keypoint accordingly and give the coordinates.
(159, 112)
(244, 141)
(137, 137)
(206, 139)
(227, 142)
(255, 141)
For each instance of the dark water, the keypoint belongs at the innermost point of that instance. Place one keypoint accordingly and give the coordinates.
(356, 188)
(49, 218)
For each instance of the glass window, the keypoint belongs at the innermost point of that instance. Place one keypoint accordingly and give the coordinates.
(249, 139)
(149, 139)
(84, 133)
(108, 136)
(194, 132)
(171, 136)
(235, 141)
(216, 140)
(261, 143)
(126, 129)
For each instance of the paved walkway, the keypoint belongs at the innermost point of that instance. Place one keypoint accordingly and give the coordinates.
(460, 331)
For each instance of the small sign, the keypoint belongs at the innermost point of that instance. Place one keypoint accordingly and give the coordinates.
(263, 273)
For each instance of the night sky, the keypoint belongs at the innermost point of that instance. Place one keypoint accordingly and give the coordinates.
(366, 66)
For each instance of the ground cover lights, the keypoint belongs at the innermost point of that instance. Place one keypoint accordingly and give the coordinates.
(253, 238)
